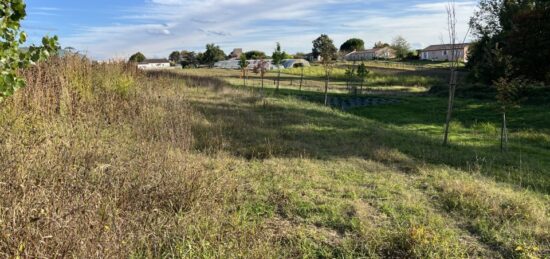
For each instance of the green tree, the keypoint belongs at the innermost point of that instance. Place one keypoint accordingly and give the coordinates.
(352, 45)
(362, 73)
(243, 64)
(255, 54)
(189, 59)
(175, 57)
(277, 59)
(509, 95)
(324, 47)
(521, 29)
(212, 54)
(401, 47)
(12, 57)
(137, 57)
(350, 73)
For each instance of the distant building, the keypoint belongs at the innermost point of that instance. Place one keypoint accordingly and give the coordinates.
(444, 52)
(236, 53)
(287, 63)
(370, 54)
(311, 58)
(154, 64)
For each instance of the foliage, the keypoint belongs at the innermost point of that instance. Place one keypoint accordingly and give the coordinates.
(12, 58)
(278, 55)
(401, 47)
(175, 57)
(299, 55)
(137, 57)
(243, 63)
(379, 45)
(521, 30)
(324, 47)
(212, 54)
(352, 45)
(189, 59)
(362, 71)
(255, 54)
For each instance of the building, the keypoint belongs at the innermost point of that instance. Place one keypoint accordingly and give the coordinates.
(154, 64)
(311, 58)
(236, 53)
(444, 52)
(370, 54)
(287, 63)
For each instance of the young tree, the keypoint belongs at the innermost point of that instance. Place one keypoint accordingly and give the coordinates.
(508, 96)
(352, 45)
(324, 47)
(243, 64)
(12, 58)
(260, 67)
(453, 38)
(137, 57)
(362, 73)
(175, 57)
(350, 72)
(277, 57)
(401, 47)
(301, 76)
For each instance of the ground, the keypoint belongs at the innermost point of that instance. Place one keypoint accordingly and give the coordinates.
(192, 163)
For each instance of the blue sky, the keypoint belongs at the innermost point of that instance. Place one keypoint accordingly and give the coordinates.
(112, 29)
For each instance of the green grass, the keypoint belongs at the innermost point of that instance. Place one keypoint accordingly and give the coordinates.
(409, 65)
(191, 164)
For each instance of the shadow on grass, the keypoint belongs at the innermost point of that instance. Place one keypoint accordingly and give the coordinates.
(257, 128)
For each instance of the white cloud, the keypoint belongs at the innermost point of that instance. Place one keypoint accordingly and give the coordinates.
(160, 26)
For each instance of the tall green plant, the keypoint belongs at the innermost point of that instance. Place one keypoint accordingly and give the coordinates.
(12, 57)
(243, 64)
(362, 73)
(324, 47)
(278, 56)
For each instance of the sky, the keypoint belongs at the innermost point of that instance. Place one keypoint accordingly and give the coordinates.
(115, 29)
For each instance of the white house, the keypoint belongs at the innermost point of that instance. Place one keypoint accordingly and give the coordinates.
(154, 64)
(446, 52)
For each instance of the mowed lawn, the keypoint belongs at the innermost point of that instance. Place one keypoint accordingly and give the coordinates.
(194, 164)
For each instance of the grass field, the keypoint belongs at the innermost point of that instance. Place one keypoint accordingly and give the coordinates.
(105, 161)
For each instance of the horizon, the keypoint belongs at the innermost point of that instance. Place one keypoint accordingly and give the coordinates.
(116, 30)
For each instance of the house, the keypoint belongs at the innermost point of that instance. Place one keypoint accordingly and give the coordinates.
(369, 54)
(444, 52)
(236, 53)
(311, 58)
(154, 64)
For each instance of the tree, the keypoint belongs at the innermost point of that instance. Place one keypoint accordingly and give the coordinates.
(260, 67)
(521, 29)
(212, 55)
(379, 45)
(243, 64)
(508, 96)
(453, 39)
(12, 57)
(255, 54)
(175, 57)
(189, 59)
(350, 73)
(137, 57)
(277, 58)
(324, 47)
(352, 45)
(401, 47)
(362, 73)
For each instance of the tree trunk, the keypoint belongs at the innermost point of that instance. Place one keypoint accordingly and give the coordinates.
(452, 87)
(504, 134)
(244, 78)
(362, 82)
(302, 78)
(278, 78)
(326, 89)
